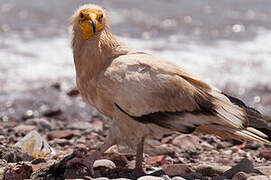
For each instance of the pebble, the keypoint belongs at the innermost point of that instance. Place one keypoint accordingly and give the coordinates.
(73, 92)
(228, 152)
(266, 153)
(97, 126)
(154, 148)
(18, 171)
(177, 178)
(265, 170)
(35, 145)
(193, 176)
(38, 161)
(150, 178)
(156, 160)
(240, 176)
(205, 145)
(244, 165)
(9, 154)
(80, 125)
(102, 178)
(211, 169)
(60, 134)
(261, 177)
(166, 177)
(41, 123)
(24, 128)
(104, 163)
(62, 142)
(52, 112)
(187, 142)
(2, 171)
(56, 85)
(119, 159)
(176, 169)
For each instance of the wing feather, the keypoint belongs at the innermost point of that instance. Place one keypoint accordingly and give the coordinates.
(143, 85)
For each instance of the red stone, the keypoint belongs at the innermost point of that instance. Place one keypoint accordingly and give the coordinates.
(66, 134)
(161, 159)
(266, 153)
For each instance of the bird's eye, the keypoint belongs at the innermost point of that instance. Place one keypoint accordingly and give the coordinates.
(82, 15)
(102, 16)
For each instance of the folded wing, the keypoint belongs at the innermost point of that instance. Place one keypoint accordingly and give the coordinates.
(153, 91)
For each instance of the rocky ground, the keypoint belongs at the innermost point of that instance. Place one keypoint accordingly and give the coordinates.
(39, 128)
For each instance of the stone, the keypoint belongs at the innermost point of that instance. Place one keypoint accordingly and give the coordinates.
(2, 171)
(240, 176)
(104, 163)
(219, 178)
(176, 169)
(260, 177)
(14, 154)
(187, 142)
(24, 128)
(227, 152)
(156, 160)
(3, 164)
(72, 173)
(73, 92)
(41, 123)
(119, 159)
(56, 85)
(52, 112)
(65, 134)
(244, 165)
(266, 153)
(166, 177)
(18, 171)
(150, 178)
(35, 145)
(206, 146)
(154, 148)
(193, 176)
(80, 125)
(102, 178)
(62, 142)
(96, 125)
(177, 178)
(38, 161)
(211, 169)
(28, 114)
(265, 170)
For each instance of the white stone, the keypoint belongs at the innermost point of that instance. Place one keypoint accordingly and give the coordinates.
(150, 178)
(35, 145)
(104, 163)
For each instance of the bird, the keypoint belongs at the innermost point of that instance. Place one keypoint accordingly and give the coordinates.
(145, 96)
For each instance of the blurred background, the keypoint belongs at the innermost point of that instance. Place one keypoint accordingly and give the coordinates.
(227, 43)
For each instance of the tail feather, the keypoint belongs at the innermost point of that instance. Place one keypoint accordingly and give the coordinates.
(258, 124)
(249, 134)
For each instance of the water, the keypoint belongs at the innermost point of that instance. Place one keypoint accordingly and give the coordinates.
(226, 43)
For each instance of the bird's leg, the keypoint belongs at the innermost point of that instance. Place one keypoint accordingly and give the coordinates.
(139, 156)
(88, 160)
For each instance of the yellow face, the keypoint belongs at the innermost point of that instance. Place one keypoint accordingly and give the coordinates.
(90, 21)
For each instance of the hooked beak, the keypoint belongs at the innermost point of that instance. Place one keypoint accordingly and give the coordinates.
(93, 26)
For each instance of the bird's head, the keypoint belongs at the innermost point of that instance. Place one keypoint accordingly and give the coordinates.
(90, 19)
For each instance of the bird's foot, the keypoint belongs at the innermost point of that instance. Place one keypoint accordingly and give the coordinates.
(82, 159)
